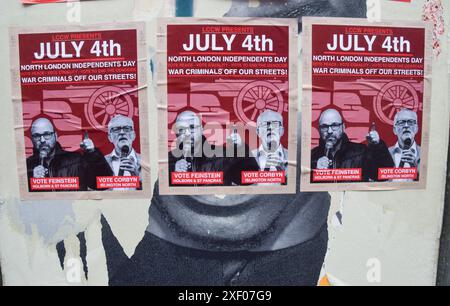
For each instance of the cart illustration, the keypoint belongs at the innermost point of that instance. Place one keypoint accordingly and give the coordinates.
(249, 98)
(388, 96)
(100, 104)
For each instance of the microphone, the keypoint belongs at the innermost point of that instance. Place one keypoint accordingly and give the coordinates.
(268, 141)
(192, 127)
(235, 145)
(268, 132)
(42, 157)
(187, 152)
(406, 146)
(407, 143)
(280, 155)
(190, 159)
(123, 154)
(328, 147)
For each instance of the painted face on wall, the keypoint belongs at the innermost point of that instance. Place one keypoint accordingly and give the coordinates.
(43, 136)
(331, 127)
(121, 132)
(297, 8)
(270, 130)
(405, 126)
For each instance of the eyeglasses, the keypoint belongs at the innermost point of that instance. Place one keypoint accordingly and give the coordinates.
(270, 124)
(334, 127)
(403, 123)
(46, 135)
(118, 129)
(192, 128)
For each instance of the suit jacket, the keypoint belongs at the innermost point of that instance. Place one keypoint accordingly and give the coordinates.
(357, 155)
(230, 166)
(86, 166)
(109, 160)
(255, 153)
(392, 152)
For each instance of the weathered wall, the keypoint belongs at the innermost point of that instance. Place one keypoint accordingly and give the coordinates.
(30, 230)
(395, 231)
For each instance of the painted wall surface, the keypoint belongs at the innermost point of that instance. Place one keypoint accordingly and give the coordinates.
(387, 238)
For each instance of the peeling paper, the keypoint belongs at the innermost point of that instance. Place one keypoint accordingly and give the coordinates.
(145, 10)
(44, 227)
(136, 213)
(26, 257)
(52, 221)
(337, 220)
(96, 258)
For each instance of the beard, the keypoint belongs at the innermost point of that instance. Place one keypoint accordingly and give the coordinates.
(43, 150)
(407, 133)
(272, 142)
(123, 142)
(331, 140)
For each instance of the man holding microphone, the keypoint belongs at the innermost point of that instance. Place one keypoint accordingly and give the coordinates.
(50, 160)
(336, 151)
(406, 152)
(195, 154)
(271, 155)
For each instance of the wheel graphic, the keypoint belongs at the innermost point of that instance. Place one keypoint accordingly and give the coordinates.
(255, 98)
(393, 97)
(105, 103)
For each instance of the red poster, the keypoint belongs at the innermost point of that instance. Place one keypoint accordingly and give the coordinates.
(230, 118)
(366, 104)
(80, 111)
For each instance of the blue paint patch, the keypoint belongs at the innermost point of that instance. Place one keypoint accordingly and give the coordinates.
(184, 8)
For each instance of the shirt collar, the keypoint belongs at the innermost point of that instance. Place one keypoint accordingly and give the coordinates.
(397, 148)
(114, 155)
(262, 152)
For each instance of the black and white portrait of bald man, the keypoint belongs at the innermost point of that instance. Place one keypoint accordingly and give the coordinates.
(195, 154)
(337, 151)
(49, 159)
(234, 239)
